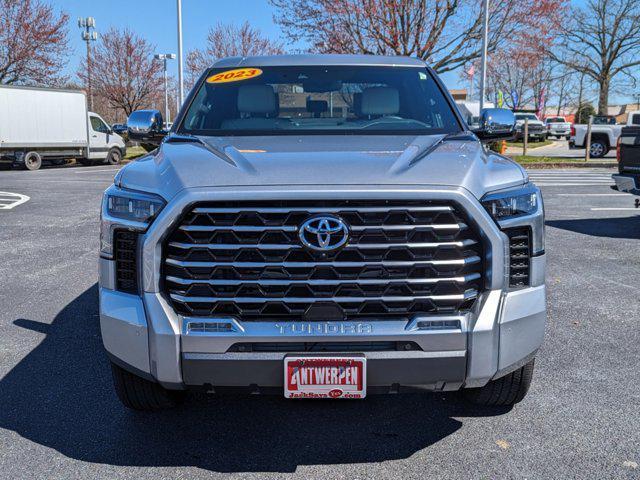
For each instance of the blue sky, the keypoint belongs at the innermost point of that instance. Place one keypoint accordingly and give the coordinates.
(156, 21)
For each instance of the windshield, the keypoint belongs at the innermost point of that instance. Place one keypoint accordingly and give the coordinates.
(555, 120)
(522, 116)
(319, 100)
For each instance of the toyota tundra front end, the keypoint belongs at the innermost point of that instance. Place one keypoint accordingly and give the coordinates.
(322, 226)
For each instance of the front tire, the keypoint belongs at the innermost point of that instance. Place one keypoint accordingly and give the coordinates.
(140, 394)
(504, 391)
(598, 149)
(32, 161)
(114, 156)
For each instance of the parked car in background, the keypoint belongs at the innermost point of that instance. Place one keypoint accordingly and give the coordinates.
(604, 136)
(628, 177)
(119, 128)
(351, 237)
(39, 125)
(558, 127)
(536, 129)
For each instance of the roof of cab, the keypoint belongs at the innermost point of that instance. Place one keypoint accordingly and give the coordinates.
(318, 59)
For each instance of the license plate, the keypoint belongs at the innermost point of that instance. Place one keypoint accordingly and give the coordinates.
(325, 377)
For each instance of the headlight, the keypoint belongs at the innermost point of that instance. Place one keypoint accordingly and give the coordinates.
(128, 210)
(512, 203)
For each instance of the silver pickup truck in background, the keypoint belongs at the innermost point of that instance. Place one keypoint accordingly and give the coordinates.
(537, 131)
(558, 127)
(603, 137)
(321, 226)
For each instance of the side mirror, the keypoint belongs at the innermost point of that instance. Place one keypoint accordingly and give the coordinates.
(496, 124)
(146, 127)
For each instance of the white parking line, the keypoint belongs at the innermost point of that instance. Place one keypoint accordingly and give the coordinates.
(9, 200)
(106, 181)
(571, 178)
(613, 209)
(573, 184)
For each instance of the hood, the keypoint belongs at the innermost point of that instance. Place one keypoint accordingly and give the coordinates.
(428, 160)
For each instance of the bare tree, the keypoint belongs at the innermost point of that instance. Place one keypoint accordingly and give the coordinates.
(445, 33)
(229, 40)
(33, 43)
(124, 72)
(511, 72)
(602, 43)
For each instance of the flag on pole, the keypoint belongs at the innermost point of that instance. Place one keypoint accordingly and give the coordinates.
(514, 98)
(470, 72)
(541, 102)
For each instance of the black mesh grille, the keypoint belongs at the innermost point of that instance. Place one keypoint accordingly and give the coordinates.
(519, 256)
(125, 246)
(245, 259)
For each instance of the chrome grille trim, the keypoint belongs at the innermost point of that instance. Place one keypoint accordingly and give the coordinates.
(183, 298)
(244, 260)
(464, 261)
(286, 246)
(347, 208)
(238, 228)
(293, 228)
(362, 281)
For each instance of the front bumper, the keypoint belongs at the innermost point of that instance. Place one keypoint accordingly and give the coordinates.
(146, 336)
(503, 331)
(559, 131)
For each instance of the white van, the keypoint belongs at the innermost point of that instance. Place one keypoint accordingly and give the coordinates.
(40, 125)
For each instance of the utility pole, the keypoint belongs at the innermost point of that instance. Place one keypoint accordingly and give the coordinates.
(164, 57)
(637, 95)
(180, 77)
(485, 41)
(89, 35)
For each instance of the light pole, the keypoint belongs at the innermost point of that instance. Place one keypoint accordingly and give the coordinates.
(485, 41)
(164, 57)
(180, 79)
(89, 35)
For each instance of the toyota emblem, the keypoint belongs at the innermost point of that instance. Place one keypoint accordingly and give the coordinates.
(324, 233)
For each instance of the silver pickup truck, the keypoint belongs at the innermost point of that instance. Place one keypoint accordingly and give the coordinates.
(321, 227)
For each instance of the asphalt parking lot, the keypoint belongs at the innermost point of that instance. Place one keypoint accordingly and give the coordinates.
(59, 417)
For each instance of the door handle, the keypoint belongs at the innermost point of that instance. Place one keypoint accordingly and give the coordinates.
(94, 136)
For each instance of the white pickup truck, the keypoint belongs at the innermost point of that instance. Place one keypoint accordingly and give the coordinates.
(557, 127)
(603, 137)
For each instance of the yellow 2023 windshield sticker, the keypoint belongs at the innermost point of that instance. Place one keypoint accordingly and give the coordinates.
(234, 75)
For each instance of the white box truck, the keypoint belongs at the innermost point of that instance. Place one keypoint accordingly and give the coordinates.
(51, 125)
